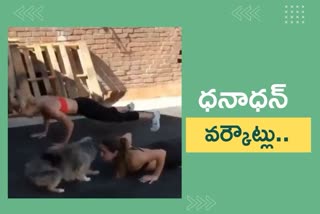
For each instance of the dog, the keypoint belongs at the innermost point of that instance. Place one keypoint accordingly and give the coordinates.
(68, 162)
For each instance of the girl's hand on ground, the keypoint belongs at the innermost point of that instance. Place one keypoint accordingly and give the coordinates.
(148, 178)
(39, 135)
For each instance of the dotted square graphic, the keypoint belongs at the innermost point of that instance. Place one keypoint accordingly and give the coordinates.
(294, 14)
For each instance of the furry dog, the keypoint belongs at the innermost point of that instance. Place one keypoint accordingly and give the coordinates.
(69, 162)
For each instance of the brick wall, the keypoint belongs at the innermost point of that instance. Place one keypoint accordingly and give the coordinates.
(138, 57)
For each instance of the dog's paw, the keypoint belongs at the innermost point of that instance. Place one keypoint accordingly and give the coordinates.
(56, 190)
(60, 190)
(86, 179)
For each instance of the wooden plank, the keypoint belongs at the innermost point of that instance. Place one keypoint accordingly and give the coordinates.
(21, 74)
(11, 77)
(69, 44)
(82, 89)
(69, 80)
(81, 75)
(55, 70)
(31, 72)
(38, 52)
(88, 68)
(41, 78)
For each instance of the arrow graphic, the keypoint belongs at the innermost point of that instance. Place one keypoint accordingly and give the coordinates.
(247, 13)
(200, 203)
(32, 13)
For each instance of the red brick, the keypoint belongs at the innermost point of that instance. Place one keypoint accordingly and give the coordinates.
(124, 78)
(135, 80)
(51, 33)
(87, 36)
(23, 34)
(78, 32)
(100, 41)
(138, 53)
(125, 62)
(136, 49)
(73, 38)
(166, 34)
(102, 30)
(135, 39)
(114, 50)
(135, 72)
(116, 63)
(95, 46)
(117, 59)
(153, 35)
(118, 54)
(107, 55)
(134, 35)
(38, 33)
(90, 41)
(89, 32)
(149, 29)
(134, 67)
(48, 39)
(165, 70)
(34, 39)
(127, 30)
(134, 76)
(98, 36)
(110, 45)
(175, 65)
(166, 48)
(101, 51)
(163, 79)
(163, 65)
(136, 44)
(125, 67)
(136, 85)
(108, 36)
(120, 73)
(135, 62)
(138, 30)
(117, 30)
(161, 29)
(148, 80)
(122, 35)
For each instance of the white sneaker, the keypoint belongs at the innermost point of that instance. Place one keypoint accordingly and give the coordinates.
(155, 121)
(130, 106)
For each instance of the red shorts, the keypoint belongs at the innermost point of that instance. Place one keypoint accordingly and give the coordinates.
(63, 105)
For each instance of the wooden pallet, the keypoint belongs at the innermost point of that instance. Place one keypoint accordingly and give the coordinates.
(61, 69)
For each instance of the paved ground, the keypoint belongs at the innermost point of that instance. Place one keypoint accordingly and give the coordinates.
(22, 148)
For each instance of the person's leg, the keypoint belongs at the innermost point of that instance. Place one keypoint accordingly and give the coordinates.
(94, 110)
(123, 109)
(154, 116)
(117, 116)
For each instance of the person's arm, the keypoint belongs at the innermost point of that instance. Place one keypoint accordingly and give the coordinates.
(46, 123)
(159, 156)
(61, 117)
(68, 124)
(120, 171)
